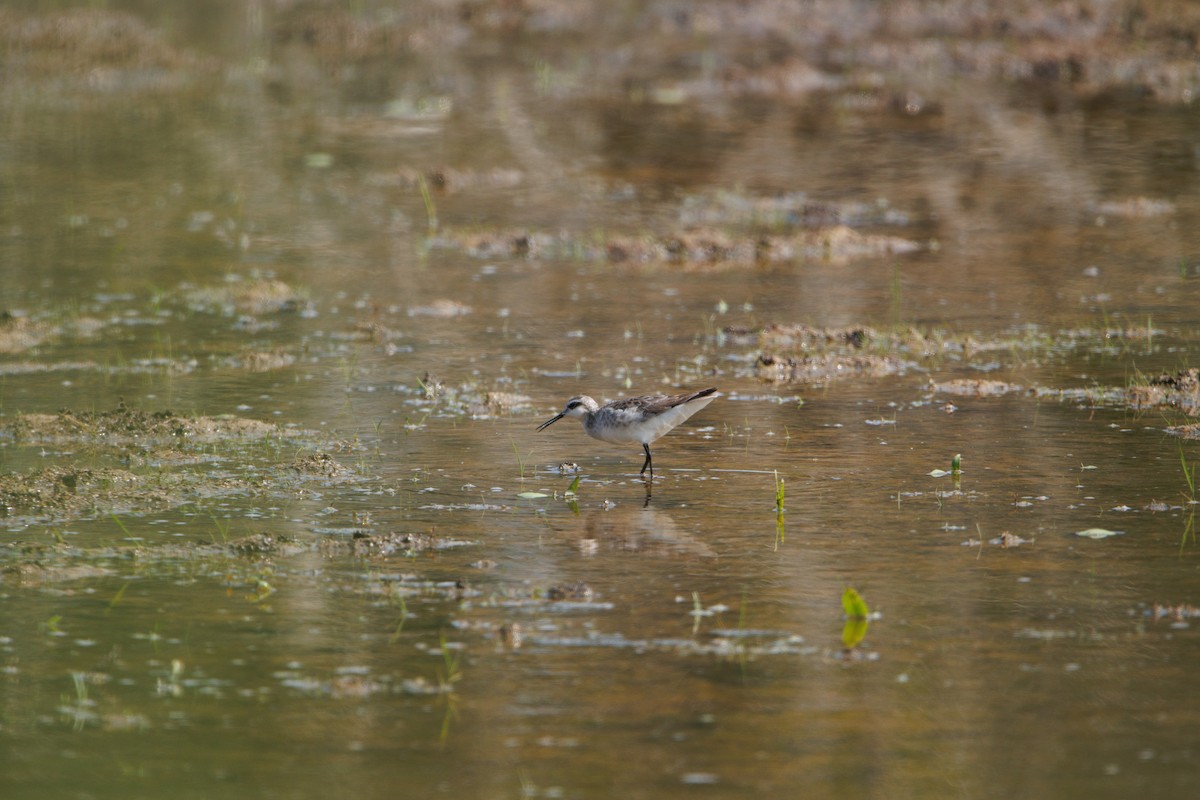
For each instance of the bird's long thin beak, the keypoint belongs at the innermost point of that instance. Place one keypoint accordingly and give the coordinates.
(550, 422)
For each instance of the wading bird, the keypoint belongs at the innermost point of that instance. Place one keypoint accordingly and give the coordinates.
(641, 419)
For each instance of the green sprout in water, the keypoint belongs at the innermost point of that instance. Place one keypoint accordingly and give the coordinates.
(854, 605)
(120, 524)
(79, 710)
(572, 495)
(779, 487)
(431, 215)
(528, 787)
(222, 527)
(857, 617)
(450, 660)
(897, 306)
(81, 690)
(520, 460)
(116, 598)
(955, 470)
(742, 649)
(1189, 476)
(404, 614)
(446, 681)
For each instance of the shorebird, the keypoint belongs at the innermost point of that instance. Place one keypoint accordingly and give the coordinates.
(641, 419)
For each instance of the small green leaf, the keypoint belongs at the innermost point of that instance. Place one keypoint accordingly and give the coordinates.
(854, 605)
(574, 487)
(939, 473)
(532, 495)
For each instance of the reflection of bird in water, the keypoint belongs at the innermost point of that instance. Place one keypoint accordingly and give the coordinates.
(641, 419)
(641, 530)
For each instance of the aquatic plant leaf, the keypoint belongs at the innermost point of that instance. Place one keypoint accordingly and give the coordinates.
(955, 468)
(574, 487)
(853, 632)
(1098, 533)
(532, 495)
(854, 605)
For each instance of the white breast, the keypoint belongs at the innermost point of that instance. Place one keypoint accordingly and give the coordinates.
(630, 425)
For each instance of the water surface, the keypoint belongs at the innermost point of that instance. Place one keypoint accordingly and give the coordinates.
(405, 240)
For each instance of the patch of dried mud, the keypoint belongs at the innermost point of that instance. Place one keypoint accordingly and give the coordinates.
(468, 399)
(975, 387)
(129, 426)
(821, 369)
(782, 49)
(256, 296)
(1178, 390)
(97, 48)
(33, 564)
(1191, 431)
(769, 48)
(693, 248)
(18, 334)
(808, 355)
(802, 354)
(381, 545)
(59, 492)
(451, 180)
(167, 460)
(322, 464)
(262, 360)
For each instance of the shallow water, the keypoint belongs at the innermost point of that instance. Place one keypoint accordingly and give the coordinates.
(223, 224)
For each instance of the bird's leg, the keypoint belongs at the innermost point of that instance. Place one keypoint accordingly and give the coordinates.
(648, 463)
